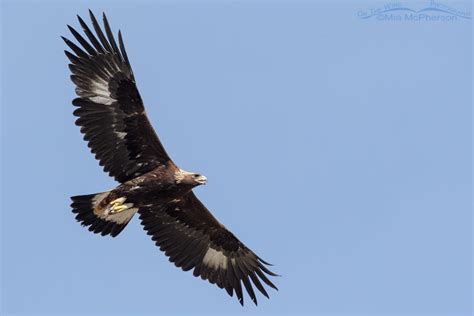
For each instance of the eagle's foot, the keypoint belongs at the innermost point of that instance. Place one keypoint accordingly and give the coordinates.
(117, 206)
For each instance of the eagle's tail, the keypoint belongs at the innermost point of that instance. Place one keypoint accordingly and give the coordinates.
(90, 213)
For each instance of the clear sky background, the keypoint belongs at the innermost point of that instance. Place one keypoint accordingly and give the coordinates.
(338, 149)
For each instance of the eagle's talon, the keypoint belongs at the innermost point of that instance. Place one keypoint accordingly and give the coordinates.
(117, 206)
(118, 209)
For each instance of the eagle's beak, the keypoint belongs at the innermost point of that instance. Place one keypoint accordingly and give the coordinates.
(201, 180)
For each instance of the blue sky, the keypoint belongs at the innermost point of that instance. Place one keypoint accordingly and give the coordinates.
(337, 148)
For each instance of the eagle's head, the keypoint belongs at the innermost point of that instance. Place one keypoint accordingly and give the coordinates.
(189, 178)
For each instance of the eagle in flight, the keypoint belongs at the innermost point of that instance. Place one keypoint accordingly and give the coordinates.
(113, 120)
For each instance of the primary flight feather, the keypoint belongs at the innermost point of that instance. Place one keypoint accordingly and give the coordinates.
(112, 118)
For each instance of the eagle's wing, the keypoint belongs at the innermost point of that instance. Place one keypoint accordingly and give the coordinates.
(110, 110)
(192, 238)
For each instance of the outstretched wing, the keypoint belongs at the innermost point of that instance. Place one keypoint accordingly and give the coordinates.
(192, 238)
(110, 110)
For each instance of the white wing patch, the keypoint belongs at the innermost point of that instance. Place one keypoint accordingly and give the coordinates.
(215, 259)
(102, 100)
(121, 135)
(100, 89)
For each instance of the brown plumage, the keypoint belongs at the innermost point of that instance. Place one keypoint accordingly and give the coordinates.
(112, 118)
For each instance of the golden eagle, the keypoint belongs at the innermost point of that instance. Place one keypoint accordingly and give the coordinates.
(112, 118)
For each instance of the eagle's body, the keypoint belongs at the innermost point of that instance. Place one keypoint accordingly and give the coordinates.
(161, 185)
(112, 118)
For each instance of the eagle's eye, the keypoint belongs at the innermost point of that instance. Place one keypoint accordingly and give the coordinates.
(197, 175)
